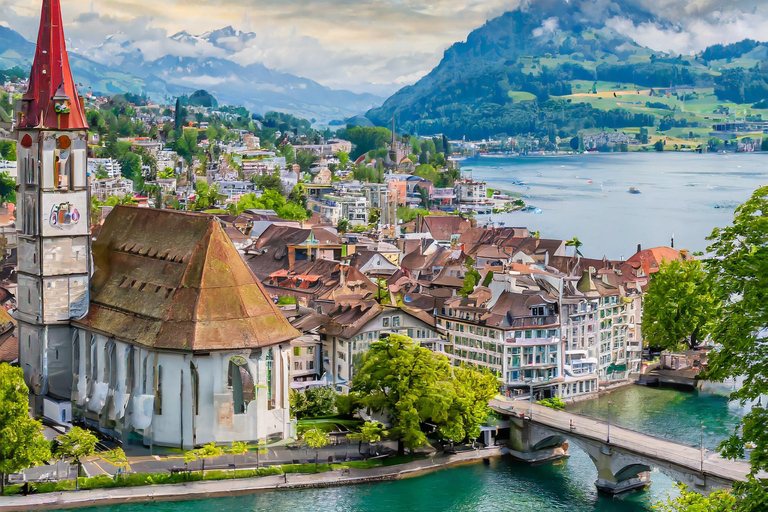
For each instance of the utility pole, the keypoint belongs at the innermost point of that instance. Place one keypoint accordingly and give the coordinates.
(608, 438)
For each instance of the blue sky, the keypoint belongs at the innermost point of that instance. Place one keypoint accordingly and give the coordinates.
(362, 45)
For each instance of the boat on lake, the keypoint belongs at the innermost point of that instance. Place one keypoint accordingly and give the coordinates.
(634, 190)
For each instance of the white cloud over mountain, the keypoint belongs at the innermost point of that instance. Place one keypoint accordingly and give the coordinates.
(360, 45)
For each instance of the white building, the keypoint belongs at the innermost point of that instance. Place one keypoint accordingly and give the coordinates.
(356, 325)
(103, 189)
(108, 165)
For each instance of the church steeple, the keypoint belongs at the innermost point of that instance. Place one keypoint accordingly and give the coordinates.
(51, 101)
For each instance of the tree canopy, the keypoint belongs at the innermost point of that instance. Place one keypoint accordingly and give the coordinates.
(414, 385)
(679, 307)
(739, 270)
(22, 444)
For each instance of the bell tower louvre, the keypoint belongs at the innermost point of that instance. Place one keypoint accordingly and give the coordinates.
(53, 218)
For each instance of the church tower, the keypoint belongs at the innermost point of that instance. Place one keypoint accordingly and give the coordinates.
(53, 216)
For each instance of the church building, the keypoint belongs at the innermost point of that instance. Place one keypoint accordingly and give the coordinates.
(160, 331)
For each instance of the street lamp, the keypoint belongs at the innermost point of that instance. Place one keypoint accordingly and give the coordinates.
(530, 403)
(608, 438)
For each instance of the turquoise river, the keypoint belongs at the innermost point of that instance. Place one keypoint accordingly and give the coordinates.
(504, 484)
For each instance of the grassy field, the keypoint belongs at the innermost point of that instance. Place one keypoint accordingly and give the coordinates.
(521, 96)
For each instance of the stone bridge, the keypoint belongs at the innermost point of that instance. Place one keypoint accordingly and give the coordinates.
(624, 461)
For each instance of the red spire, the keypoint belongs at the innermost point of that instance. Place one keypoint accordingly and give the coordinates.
(51, 100)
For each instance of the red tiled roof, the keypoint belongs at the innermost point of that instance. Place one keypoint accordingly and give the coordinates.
(51, 78)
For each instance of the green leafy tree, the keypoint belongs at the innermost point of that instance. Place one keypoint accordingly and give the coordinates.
(316, 439)
(370, 432)
(305, 159)
(718, 501)
(739, 270)
(292, 211)
(207, 451)
(471, 279)
(342, 226)
(7, 188)
(343, 157)
(405, 381)
(22, 444)
(76, 444)
(8, 150)
(166, 174)
(470, 391)
(679, 307)
(313, 403)
(116, 200)
(659, 145)
(268, 182)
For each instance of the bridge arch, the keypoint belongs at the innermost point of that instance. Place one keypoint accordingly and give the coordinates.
(631, 471)
(550, 442)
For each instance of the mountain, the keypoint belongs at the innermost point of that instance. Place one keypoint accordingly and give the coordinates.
(528, 71)
(183, 63)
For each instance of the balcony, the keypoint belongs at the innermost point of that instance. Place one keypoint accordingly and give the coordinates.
(533, 321)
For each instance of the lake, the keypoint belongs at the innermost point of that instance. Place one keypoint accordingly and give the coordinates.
(681, 194)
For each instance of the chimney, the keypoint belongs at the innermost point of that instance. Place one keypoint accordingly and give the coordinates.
(673, 241)
(291, 258)
(639, 247)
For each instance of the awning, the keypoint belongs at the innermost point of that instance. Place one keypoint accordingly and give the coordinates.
(614, 368)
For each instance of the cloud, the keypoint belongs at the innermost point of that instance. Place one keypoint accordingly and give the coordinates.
(362, 45)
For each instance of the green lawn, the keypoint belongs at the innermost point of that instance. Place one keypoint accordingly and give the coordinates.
(332, 424)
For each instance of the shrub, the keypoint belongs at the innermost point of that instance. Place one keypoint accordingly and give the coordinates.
(553, 403)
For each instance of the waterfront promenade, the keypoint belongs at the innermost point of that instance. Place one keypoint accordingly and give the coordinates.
(241, 486)
(674, 457)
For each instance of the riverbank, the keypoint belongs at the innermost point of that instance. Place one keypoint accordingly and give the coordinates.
(237, 487)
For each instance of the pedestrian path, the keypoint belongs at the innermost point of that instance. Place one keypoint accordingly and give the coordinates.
(234, 487)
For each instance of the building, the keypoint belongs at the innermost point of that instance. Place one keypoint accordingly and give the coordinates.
(107, 165)
(511, 328)
(108, 187)
(354, 209)
(173, 338)
(355, 324)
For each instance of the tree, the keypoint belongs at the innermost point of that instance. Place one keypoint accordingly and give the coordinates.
(343, 157)
(292, 211)
(8, 150)
(659, 145)
(305, 159)
(471, 279)
(405, 381)
(313, 402)
(679, 307)
(207, 451)
(76, 444)
(268, 182)
(470, 391)
(342, 226)
(718, 501)
(22, 444)
(7, 188)
(166, 174)
(370, 432)
(739, 271)
(316, 439)
(576, 243)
